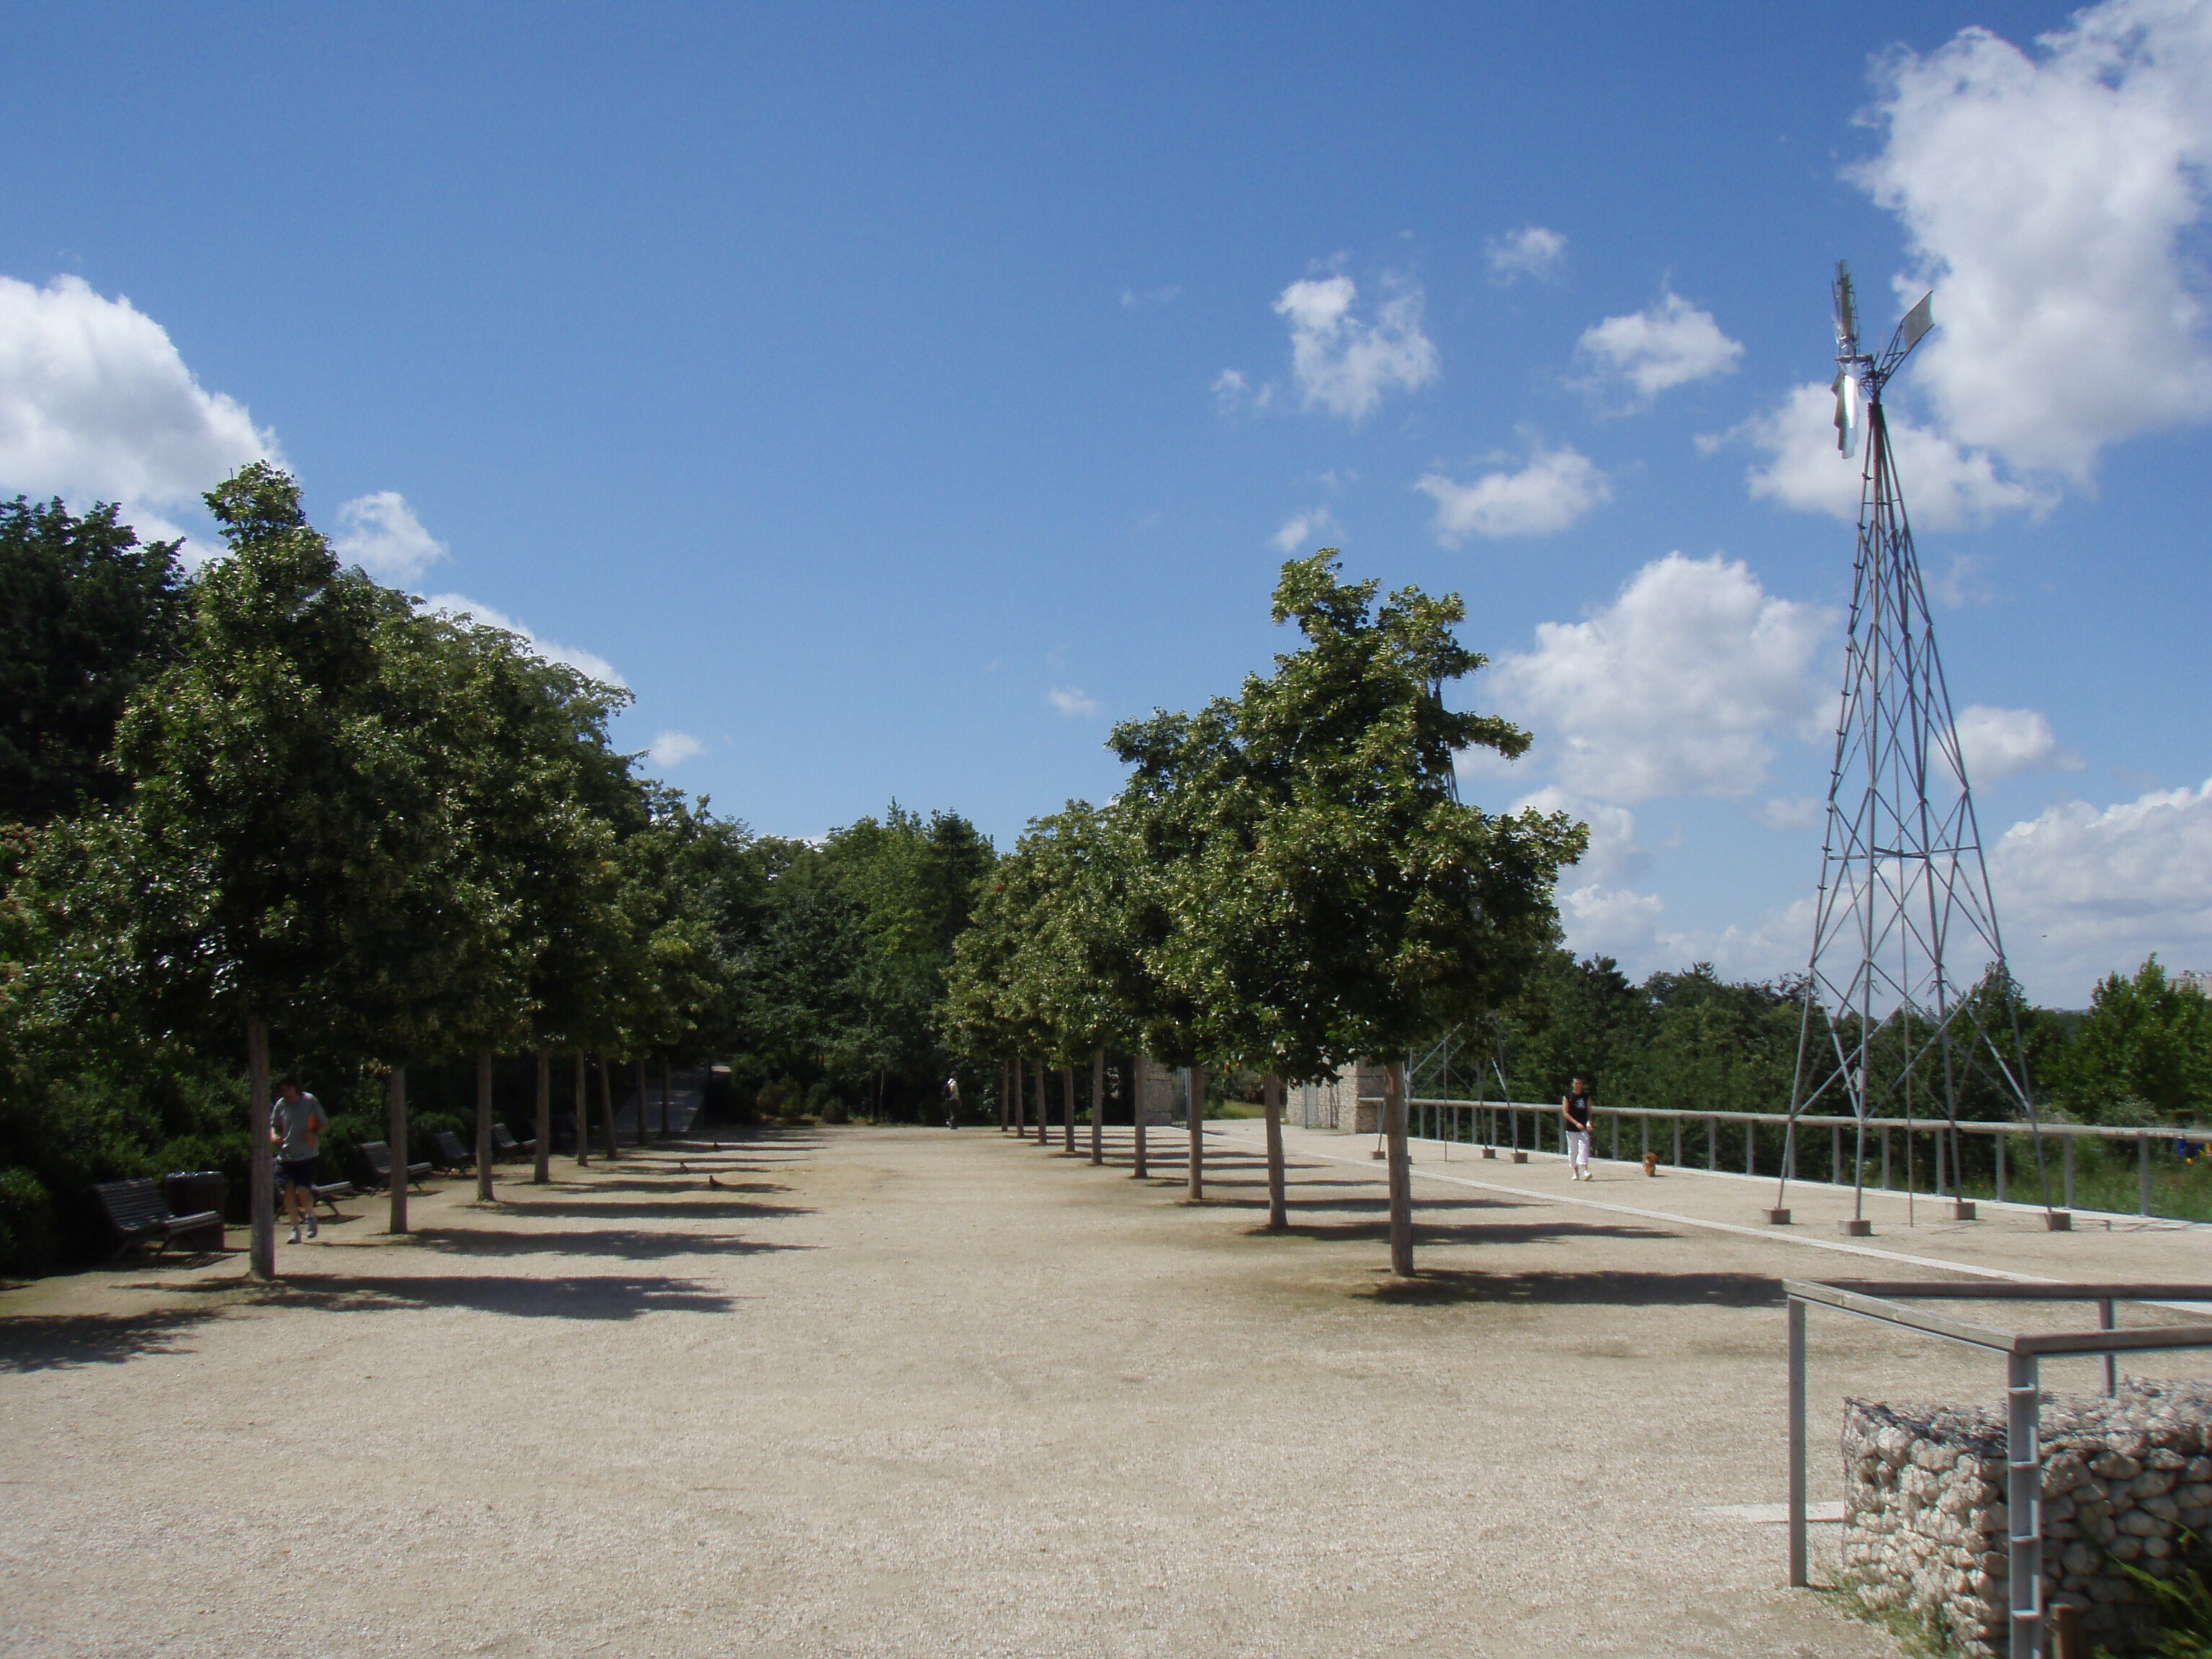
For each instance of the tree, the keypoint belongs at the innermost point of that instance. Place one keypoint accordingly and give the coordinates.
(2146, 1037)
(88, 616)
(1327, 893)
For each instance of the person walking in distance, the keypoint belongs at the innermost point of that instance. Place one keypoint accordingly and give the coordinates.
(1575, 1117)
(298, 1133)
(953, 1103)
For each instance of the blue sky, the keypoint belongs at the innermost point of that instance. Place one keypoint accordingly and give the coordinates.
(893, 399)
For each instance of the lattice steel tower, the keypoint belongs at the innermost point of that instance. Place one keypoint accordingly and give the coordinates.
(1904, 900)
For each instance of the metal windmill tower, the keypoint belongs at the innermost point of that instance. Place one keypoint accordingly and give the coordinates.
(1904, 901)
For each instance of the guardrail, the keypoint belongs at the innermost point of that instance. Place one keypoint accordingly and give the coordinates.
(1497, 1125)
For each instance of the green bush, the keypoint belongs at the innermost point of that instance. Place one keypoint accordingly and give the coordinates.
(28, 1242)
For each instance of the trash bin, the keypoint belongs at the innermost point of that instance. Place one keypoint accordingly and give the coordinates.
(189, 1192)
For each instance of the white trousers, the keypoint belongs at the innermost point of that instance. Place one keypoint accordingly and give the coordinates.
(1578, 1145)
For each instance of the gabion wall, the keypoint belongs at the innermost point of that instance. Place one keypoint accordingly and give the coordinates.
(1924, 1512)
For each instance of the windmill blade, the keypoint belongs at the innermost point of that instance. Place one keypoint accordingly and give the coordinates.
(1847, 312)
(1918, 321)
(1850, 414)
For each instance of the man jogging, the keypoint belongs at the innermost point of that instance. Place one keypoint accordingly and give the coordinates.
(1575, 1118)
(298, 1133)
(953, 1103)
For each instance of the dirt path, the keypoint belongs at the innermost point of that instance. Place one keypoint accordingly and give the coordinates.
(904, 1392)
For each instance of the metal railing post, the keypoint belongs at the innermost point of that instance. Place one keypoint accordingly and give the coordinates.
(1835, 1154)
(2024, 1503)
(1798, 1577)
(1999, 1137)
(1678, 1140)
(1712, 1144)
(1750, 1147)
(2106, 1322)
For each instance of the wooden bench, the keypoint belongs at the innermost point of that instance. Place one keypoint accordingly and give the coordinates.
(505, 1146)
(139, 1214)
(452, 1155)
(327, 1193)
(377, 1154)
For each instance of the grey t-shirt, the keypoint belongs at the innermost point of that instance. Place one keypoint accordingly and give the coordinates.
(301, 1122)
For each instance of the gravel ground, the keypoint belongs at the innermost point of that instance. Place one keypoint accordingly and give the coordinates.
(908, 1392)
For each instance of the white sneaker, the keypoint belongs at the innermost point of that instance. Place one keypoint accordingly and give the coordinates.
(294, 1238)
(314, 1232)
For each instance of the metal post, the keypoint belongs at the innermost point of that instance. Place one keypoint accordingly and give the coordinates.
(1798, 1577)
(1616, 1136)
(2023, 1501)
(1644, 1125)
(1712, 1144)
(2106, 1322)
(1750, 1147)
(2142, 1164)
(1678, 1140)
(1999, 1137)
(1835, 1154)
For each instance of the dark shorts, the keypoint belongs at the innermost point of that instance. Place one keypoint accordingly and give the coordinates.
(300, 1171)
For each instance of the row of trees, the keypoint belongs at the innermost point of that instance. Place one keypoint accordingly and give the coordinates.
(1287, 882)
(273, 809)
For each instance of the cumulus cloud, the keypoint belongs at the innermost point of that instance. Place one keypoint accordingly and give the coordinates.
(1668, 344)
(1074, 701)
(380, 533)
(465, 609)
(1303, 527)
(1555, 488)
(1944, 487)
(1676, 688)
(1345, 365)
(1999, 743)
(1233, 394)
(1531, 250)
(2056, 202)
(673, 748)
(96, 404)
(1613, 921)
(1791, 812)
(1615, 853)
(2084, 891)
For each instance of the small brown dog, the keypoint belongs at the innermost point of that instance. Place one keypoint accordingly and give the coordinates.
(1651, 1163)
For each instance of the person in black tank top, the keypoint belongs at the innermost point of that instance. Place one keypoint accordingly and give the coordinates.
(1575, 1118)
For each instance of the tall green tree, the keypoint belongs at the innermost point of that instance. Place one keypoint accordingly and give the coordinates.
(88, 616)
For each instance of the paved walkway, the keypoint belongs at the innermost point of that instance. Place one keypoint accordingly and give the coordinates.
(908, 1392)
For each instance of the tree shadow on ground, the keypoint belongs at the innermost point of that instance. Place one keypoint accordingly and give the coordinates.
(62, 1341)
(705, 1209)
(673, 1182)
(1609, 1288)
(629, 1244)
(1474, 1232)
(1362, 1206)
(584, 1296)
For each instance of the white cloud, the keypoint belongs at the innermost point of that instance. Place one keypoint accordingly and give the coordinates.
(1944, 487)
(1555, 488)
(461, 606)
(1999, 743)
(2056, 203)
(1675, 688)
(2082, 892)
(1672, 343)
(1791, 812)
(1302, 527)
(1613, 921)
(1615, 853)
(673, 748)
(1531, 250)
(96, 404)
(1074, 702)
(1233, 393)
(1344, 365)
(380, 533)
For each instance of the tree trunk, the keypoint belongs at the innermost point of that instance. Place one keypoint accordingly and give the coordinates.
(1401, 1170)
(543, 1171)
(667, 1091)
(642, 1136)
(607, 1110)
(1044, 1108)
(583, 1105)
(395, 1136)
(1021, 1125)
(1279, 1205)
(261, 1186)
(1006, 1099)
(484, 1127)
(1067, 1108)
(1197, 1133)
(1098, 1106)
(1143, 1169)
